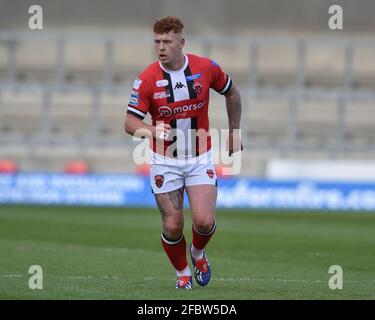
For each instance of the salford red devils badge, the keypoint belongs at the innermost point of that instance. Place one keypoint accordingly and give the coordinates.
(159, 180)
(197, 86)
(210, 173)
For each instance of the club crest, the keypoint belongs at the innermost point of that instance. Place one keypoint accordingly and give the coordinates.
(197, 86)
(210, 173)
(159, 180)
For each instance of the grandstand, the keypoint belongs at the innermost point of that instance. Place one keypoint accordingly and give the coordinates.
(64, 96)
(307, 91)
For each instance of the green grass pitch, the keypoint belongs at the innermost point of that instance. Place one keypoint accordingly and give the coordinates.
(115, 253)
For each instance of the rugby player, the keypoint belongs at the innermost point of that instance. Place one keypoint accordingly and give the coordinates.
(175, 91)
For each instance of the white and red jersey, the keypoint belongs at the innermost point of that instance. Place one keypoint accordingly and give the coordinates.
(179, 98)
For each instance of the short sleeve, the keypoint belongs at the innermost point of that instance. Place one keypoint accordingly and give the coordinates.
(139, 102)
(220, 81)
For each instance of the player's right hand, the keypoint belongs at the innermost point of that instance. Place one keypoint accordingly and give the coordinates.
(234, 143)
(162, 131)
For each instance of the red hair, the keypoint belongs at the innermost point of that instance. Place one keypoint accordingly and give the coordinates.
(168, 24)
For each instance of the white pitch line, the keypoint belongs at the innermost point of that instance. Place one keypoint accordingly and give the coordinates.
(11, 275)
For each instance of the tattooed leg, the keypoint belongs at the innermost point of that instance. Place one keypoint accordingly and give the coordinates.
(170, 205)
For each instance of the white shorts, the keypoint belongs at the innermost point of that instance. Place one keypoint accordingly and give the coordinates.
(169, 174)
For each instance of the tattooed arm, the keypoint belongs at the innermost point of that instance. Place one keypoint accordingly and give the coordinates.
(233, 102)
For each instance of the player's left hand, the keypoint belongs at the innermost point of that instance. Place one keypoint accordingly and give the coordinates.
(234, 143)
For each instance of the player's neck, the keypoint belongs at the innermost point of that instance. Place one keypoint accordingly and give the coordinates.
(177, 65)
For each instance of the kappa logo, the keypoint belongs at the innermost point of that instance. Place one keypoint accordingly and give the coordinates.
(159, 180)
(179, 85)
(210, 173)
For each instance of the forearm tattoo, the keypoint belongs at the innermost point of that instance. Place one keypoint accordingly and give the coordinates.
(233, 102)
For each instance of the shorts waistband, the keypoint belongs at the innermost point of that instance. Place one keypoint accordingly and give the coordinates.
(159, 159)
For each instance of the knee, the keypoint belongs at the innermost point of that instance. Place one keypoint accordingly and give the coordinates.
(204, 225)
(173, 229)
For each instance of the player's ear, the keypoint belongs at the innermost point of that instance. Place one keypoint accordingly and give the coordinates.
(182, 42)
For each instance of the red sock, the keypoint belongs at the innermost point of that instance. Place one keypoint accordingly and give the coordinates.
(200, 239)
(176, 251)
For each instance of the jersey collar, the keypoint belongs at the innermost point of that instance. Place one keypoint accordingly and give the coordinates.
(179, 70)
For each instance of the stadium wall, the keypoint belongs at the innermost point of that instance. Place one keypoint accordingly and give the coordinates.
(220, 16)
(123, 190)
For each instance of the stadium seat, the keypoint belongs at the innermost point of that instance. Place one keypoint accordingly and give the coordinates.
(21, 114)
(7, 166)
(219, 171)
(143, 169)
(76, 167)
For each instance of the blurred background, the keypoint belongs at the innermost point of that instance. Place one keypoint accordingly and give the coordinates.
(308, 92)
(308, 127)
